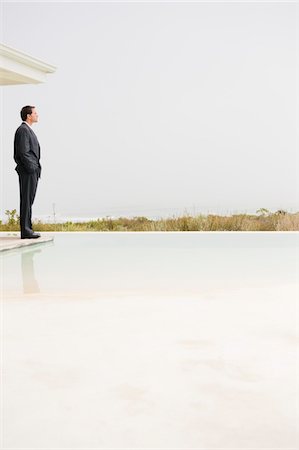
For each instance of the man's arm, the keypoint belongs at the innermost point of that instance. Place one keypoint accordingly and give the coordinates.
(23, 154)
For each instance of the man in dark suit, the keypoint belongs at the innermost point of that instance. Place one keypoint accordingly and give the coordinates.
(27, 156)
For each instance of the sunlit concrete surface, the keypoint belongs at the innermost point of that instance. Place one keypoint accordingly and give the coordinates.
(10, 241)
(161, 341)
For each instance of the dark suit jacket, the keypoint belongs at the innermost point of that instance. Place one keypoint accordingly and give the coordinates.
(26, 150)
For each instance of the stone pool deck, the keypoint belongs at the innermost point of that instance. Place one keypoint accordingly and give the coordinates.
(11, 242)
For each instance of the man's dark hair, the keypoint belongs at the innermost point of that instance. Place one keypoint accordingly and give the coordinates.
(25, 111)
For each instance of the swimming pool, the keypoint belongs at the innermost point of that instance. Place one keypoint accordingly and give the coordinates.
(155, 263)
(151, 340)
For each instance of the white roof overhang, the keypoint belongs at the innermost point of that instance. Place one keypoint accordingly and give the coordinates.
(19, 68)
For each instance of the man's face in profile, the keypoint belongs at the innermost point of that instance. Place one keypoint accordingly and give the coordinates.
(33, 117)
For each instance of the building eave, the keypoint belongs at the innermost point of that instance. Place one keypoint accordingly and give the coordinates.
(19, 68)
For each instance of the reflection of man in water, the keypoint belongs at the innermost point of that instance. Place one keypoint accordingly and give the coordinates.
(27, 155)
(30, 284)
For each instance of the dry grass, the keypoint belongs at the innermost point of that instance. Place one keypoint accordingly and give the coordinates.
(279, 221)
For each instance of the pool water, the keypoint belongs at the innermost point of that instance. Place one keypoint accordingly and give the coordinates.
(151, 340)
(168, 264)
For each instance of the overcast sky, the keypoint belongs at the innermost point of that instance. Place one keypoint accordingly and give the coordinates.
(157, 108)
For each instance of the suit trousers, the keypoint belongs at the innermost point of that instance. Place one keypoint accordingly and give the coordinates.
(28, 185)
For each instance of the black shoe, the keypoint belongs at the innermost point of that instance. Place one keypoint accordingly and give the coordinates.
(31, 236)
